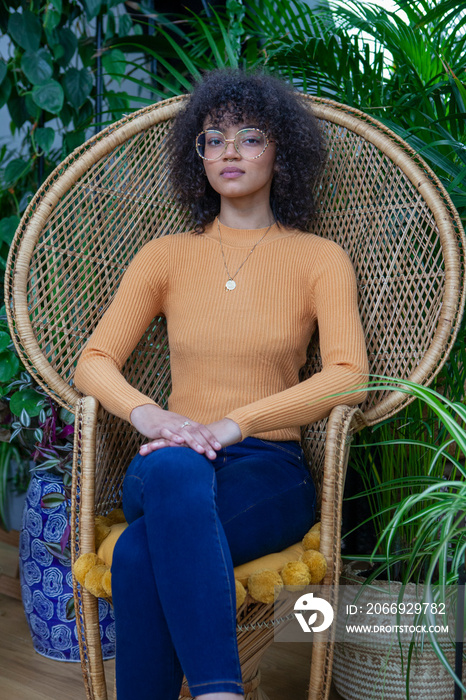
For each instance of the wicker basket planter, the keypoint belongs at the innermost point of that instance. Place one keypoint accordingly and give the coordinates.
(376, 671)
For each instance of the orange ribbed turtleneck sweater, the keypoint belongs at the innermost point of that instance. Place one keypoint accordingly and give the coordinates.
(235, 354)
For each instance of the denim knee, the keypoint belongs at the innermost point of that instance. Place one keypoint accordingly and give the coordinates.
(127, 558)
(172, 478)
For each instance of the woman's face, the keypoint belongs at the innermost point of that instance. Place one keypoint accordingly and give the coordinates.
(234, 176)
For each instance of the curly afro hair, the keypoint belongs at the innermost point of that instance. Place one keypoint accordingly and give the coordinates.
(231, 96)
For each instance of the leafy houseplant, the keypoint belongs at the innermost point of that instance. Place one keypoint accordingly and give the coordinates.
(405, 67)
(45, 556)
(49, 85)
(19, 403)
(31, 426)
(396, 452)
(428, 454)
(41, 433)
(52, 454)
(419, 516)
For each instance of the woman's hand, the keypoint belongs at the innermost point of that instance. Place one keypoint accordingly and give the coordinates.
(166, 427)
(226, 431)
(171, 429)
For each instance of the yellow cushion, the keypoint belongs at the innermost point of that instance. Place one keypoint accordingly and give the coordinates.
(275, 561)
(105, 551)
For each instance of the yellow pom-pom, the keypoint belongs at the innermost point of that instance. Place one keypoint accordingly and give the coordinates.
(101, 531)
(93, 580)
(116, 516)
(296, 573)
(311, 540)
(103, 524)
(240, 594)
(265, 585)
(316, 563)
(107, 583)
(84, 564)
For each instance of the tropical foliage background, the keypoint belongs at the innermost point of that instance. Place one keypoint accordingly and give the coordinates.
(72, 66)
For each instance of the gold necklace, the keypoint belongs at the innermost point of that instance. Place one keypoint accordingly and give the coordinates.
(231, 284)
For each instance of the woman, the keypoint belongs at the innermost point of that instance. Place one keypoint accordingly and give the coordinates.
(223, 479)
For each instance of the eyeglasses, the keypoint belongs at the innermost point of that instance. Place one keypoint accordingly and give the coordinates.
(249, 143)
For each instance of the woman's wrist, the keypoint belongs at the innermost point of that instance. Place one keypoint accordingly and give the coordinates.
(226, 431)
(142, 417)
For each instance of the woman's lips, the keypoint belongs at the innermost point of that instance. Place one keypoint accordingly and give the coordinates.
(231, 173)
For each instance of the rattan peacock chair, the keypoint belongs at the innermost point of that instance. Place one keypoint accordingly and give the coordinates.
(377, 198)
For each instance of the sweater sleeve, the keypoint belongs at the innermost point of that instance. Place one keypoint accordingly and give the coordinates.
(139, 298)
(342, 349)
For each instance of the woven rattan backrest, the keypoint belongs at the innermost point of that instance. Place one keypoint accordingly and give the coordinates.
(376, 198)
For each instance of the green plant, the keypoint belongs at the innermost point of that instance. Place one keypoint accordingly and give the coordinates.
(13, 457)
(425, 445)
(420, 512)
(53, 453)
(32, 427)
(402, 68)
(48, 83)
(45, 434)
(393, 449)
(408, 70)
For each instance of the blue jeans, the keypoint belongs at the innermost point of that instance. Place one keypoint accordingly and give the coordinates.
(191, 521)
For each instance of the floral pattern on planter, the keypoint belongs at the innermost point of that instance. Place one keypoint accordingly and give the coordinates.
(46, 580)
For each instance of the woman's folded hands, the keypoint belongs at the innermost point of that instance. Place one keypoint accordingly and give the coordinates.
(168, 429)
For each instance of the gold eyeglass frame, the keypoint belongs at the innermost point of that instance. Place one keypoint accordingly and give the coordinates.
(233, 141)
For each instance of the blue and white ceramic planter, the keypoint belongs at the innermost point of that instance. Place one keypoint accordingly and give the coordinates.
(46, 581)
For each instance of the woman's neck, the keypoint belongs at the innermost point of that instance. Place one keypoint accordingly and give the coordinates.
(236, 214)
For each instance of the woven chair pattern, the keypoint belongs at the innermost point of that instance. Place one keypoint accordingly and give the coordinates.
(376, 198)
(367, 204)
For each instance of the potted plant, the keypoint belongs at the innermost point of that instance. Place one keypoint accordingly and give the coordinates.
(418, 502)
(45, 556)
(14, 455)
(36, 454)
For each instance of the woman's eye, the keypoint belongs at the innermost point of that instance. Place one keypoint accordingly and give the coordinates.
(214, 141)
(251, 140)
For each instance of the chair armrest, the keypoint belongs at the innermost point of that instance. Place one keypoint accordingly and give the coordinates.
(343, 420)
(341, 423)
(83, 541)
(83, 477)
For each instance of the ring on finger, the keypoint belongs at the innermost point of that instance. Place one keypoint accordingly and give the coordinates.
(185, 424)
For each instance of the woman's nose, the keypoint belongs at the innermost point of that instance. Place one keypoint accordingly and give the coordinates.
(231, 150)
